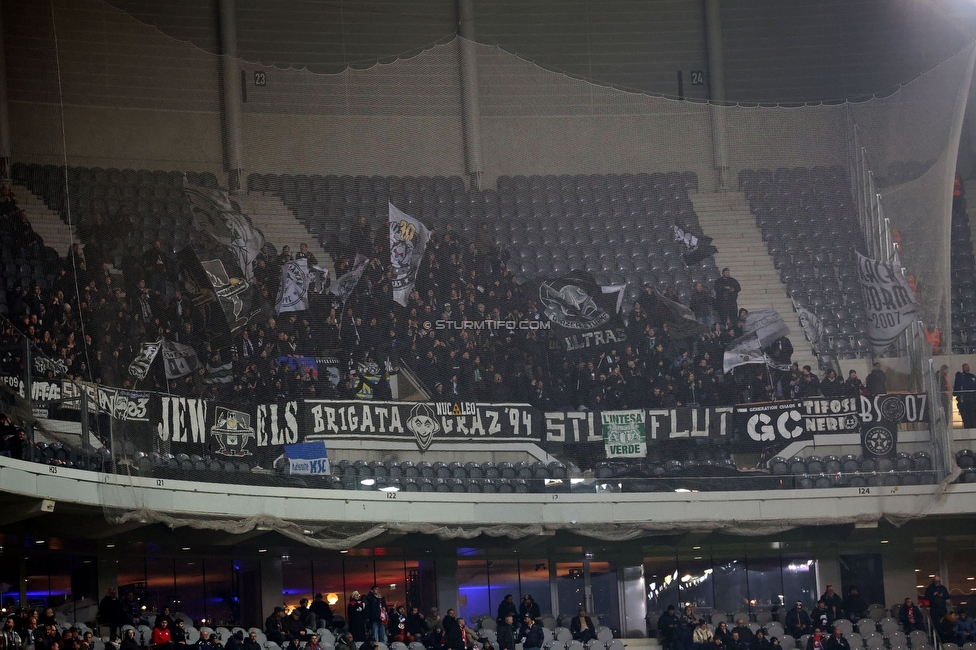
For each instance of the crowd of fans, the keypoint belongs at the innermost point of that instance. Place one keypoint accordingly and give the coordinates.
(91, 324)
(369, 620)
(819, 626)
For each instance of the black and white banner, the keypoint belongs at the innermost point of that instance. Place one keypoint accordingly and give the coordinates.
(424, 423)
(258, 433)
(408, 240)
(796, 420)
(584, 316)
(297, 280)
(767, 325)
(888, 300)
(178, 359)
(215, 215)
(139, 368)
(346, 284)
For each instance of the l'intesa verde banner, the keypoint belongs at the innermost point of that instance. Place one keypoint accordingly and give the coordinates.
(624, 435)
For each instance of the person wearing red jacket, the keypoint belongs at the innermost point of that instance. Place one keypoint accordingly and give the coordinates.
(162, 638)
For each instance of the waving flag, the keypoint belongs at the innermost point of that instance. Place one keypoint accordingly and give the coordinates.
(139, 368)
(215, 215)
(179, 359)
(297, 279)
(345, 285)
(408, 240)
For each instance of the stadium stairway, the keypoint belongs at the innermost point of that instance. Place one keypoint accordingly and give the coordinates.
(46, 223)
(726, 218)
(281, 227)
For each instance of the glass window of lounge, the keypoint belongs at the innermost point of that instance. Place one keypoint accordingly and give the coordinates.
(296, 579)
(472, 579)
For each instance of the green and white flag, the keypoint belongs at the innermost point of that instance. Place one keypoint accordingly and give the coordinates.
(624, 434)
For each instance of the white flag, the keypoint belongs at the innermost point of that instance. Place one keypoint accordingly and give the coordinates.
(744, 350)
(408, 239)
(766, 324)
(179, 360)
(139, 367)
(811, 326)
(214, 214)
(888, 300)
(297, 279)
(345, 285)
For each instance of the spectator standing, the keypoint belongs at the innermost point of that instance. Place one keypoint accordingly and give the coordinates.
(938, 597)
(377, 614)
(834, 603)
(727, 291)
(964, 388)
(356, 615)
(667, 623)
(323, 613)
(533, 638)
(855, 604)
(506, 607)
(877, 383)
(506, 636)
(110, 612)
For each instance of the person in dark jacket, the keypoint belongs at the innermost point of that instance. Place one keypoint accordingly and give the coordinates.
(323, 613)
(855, 605)
(274, 626)
(582, 627)
(530, 607)
(110, 612)
(416, 625)
(533, 638)
(797, 621)
(356, 616)
(910, 617)
(506, 636)
(938, 597)
(837, 641)
(667, 623)
(506, 607)
(252, 643)
(458, 637)
(834, 603)
(129, 641)
(375, 610)
(817, 641)
(760, 642)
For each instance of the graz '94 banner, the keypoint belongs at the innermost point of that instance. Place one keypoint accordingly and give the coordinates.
(889, 301)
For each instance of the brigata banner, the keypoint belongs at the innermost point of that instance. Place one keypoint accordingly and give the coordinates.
(624, 435)
(421, 422)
